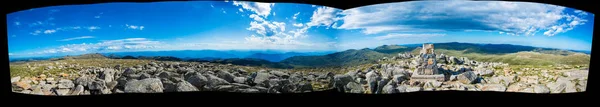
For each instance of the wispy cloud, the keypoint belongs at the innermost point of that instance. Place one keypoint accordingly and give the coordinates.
(513, 18)
(400, 35)
(295, 16)
(262, 9)
(128, 44)
(76, 38)
(323, 16)
(134, 27)
(92, 28)
(297, 25)
(50, 31)
(17, 23)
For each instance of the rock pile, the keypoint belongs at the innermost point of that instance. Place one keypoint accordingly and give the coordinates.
(171, 77)
(461, 74)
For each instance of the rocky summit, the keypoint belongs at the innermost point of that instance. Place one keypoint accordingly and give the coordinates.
(166, 76)
(405, 72)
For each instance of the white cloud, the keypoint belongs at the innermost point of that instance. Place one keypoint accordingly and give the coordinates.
(240, 10)
(36, 32)
(226, 1)
(134, 27)
(400, 36)
(17, 23)
(280, 25)
(323, 16)
(513, 18)
(128, 44)
(10, 54)
(76, 38)
(297, 25)
(212, 6)
(50, 31)
(257, 18)
(262, 9)
(224, 12)
(295, 16)
(96, 17)
(91, 28)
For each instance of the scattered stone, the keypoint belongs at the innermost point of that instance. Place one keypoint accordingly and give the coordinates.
(62, 91)
(148, 85)
(414, 89)
(22, 85)
(467, 77)
(240, 79)
(341, 80)
(144, 76)
(260, 77)
(97, 85)
(487, 72)
(78, 90)
(15, 79)
(493, 87)
(215, 81)
(65, 83)
(108, 75)
(399, 78)
(226, 76)
(354, 87)
(557, 87)
(540, 89)
(197, 80)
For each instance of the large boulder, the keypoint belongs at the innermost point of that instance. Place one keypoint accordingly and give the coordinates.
(108, 75)
(467, 77)
(539, 88)
(225, 75)
(148, 85)
(169, 86)
(15, 79)
(381, 84)
(78, 90)
(65, 83)
(214, 81)
(390, 89)
(97, 85)
(260, 77)
(354, 87)
(197, 80)
(239, 79)
(486, 72)
(401, 88)
(304, 87)
(84, 81)
(279, 74)
(342, 80)
(184, 86)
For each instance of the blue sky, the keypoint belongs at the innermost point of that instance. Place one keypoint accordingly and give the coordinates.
(232, 25)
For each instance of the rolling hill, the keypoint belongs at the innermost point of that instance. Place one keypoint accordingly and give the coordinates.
(350, 57)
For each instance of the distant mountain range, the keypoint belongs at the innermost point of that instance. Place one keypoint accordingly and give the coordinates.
(352, 57)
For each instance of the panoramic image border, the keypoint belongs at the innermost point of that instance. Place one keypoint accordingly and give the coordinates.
(270, 48)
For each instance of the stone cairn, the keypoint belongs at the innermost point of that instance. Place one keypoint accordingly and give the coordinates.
(427, 66)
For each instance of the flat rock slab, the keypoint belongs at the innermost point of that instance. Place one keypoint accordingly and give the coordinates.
(440, 77)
